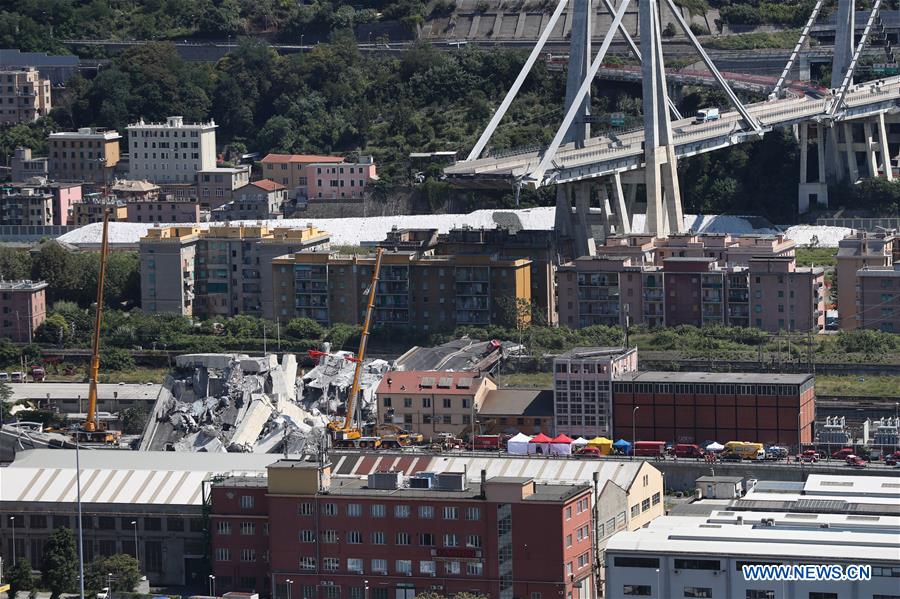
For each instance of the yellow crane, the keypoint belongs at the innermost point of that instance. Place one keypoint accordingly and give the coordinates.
(343, 432)
(91, 430)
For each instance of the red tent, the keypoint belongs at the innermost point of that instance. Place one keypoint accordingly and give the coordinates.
(562, 438)
(542, 438)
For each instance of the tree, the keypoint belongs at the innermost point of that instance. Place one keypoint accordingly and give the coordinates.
(20, 578)
(303, 328)
(114, 358)
(60, 570)
(124, 569)
(14, 263)
(134, 420)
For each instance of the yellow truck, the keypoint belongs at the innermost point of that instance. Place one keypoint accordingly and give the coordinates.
(743, 450)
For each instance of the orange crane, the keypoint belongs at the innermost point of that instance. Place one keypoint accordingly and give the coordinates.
(343, 432)
(90, 430)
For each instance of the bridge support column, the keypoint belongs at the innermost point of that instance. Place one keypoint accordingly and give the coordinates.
(871, 149)
(664, 214)
(815, 192)
(574, 223)
(852, 167)
(622, 219)
(885, 149)
(579, 62)
(804, 69)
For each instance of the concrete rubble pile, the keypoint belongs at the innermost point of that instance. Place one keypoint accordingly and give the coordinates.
(238, 403)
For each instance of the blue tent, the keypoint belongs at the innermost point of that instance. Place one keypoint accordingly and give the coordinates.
(623, 446)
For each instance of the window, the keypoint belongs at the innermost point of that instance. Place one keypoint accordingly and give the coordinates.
(307, 536)
(656, 498)
(535, 595)
(248, 555)
(354, 537)
(568, 513)
(450, 540)
(426, 539)
(329, 536)
(407, 402)
(635, 510)
(401, 511)
(330, 564)
(474, 568)
(378, 538)
(248, 528)
(759, 594)
(452, 567)
(223, 554)
(568, 540)
(403, 566)
(636, 590)
(427, 567)
(473, 541)
(378, 510)
(447, 403)
(823, 595)
(645, 505)
(403, 538)
(354, 564)
(703, 592)
(379, 566)
(223, 528)
(426, 511)
(329, 509)
(697, 564)
(246, 501)
(473, 513)
(307, 563)
(451, 513)
(637, 562)
(305, 509)
(354, 510)
(583, 560)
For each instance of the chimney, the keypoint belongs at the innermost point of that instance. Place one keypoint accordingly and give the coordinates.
(483, 482)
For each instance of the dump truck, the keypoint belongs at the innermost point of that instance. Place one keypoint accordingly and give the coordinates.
(744, 450)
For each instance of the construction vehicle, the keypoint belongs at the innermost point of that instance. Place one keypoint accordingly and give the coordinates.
(394, 437)
(743, 450)
(343, 432)
(92, 431)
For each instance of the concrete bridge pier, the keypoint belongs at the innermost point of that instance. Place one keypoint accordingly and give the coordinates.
(573, 217)
(812, 192)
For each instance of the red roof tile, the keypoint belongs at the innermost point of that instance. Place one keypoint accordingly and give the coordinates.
(436, 382)
(268, 185)
(300, 158)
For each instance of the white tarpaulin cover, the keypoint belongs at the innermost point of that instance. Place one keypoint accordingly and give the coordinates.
(518, 445)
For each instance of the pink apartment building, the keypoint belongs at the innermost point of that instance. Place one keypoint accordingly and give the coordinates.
(23, 308)
(310, 177)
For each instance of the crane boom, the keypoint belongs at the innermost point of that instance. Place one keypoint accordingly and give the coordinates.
(363, 341)
(90, 425)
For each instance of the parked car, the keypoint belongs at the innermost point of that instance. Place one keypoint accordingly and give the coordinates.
(890, 460)
(18, 377)
(809, 456)
(856, 462)
(4, 376)
(842, 453)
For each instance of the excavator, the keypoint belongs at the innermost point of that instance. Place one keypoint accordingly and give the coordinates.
(343, 432)
(394, 437)
(92, 431)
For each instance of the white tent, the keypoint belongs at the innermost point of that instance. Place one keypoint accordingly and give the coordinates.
(580, 442)
(518, 445)
(715, 447)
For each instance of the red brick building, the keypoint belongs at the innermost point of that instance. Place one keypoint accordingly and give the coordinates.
(693, 407)
(348, 538)
(23, 308)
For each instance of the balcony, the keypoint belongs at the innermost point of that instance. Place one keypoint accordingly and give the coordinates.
(312, 287)
(471, 289)
(738, 296)
(599, 294)
(472, 303)
(654, 295)
(711, 297)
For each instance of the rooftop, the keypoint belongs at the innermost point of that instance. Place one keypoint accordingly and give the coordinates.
(22, 285)
(653, 376)
(518, 402)
(172, 122)
(720, 479)
(441, 382)
(300, 158)
(87, 132)
(267, 184)
(133, 185)
(792, 536)
(105, 391)
(587, 353)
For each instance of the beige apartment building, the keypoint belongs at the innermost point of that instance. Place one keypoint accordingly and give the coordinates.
(856, 252)
(432, 401)
(421, 291)
(85, 155)
(24, 96)
(171, 152)
(233, 266)
(216, 186)
(878, 298)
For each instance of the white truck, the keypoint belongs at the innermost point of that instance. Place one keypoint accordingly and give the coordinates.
(704, 115)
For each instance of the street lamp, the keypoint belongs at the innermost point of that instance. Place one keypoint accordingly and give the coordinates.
(658, 590)
(136, 556)
(633, 429)
(212, 585)
(290, 583)
(366, 596)
(12, 519)
(109, 584)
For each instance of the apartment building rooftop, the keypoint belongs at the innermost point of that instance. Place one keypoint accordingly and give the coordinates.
(99, 133)
(172, 122)
(267, 185)
(24, 285)
(300, 158)
(586, 353)
(738, 378)
(424, 381)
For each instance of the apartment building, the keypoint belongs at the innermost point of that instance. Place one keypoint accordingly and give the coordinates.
(24, 95)
(768, 292)
(88, 154)
(92, 208)
(385, 537)
(414, 290)
(734, 250)
(262, 200)
(167, 210)
(130, 190)
(582, 388)
(231, 271)
(216, 186)
(878, 298)
(23, 308)
(24, 166)
(696, 407)
(38, 203)
(432, 402)
(311, 177)
(171, 152)
(863, 251)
